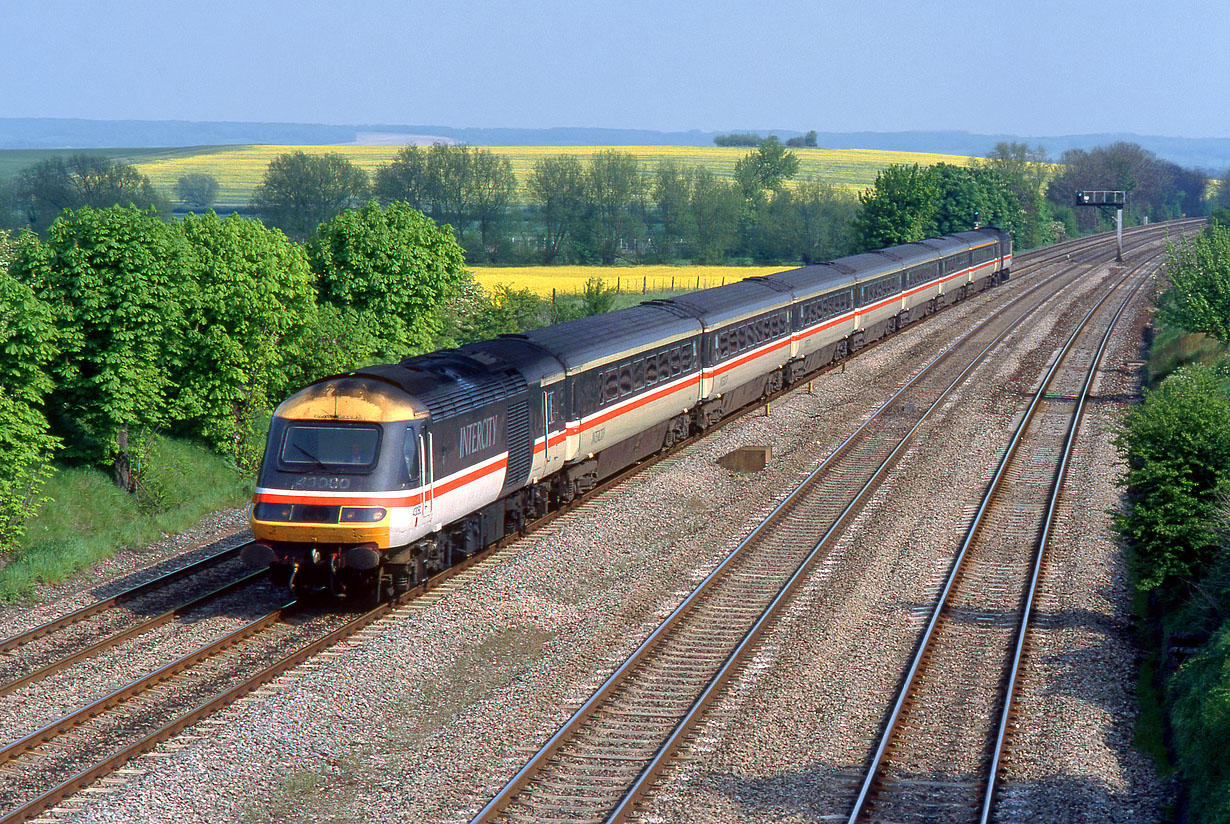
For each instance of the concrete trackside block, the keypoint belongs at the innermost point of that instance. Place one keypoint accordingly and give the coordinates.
(747, 459)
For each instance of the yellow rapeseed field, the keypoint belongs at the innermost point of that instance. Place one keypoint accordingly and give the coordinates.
(239, 169)
(571, 280)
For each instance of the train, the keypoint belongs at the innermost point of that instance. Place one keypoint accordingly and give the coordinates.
(378, 478)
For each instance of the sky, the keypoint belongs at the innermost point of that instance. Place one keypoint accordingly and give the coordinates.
(992, 67)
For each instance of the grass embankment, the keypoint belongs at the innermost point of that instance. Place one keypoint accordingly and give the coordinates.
(1172, 348)
(89, 518)
(239, 169)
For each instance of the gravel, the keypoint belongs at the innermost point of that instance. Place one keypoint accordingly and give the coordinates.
(423, 715)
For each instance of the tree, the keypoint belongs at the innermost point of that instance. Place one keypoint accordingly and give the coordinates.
(557, 186)
(672, 194)
(456, 185)
(814, 222)
(492, 188)
(1155, 188)
(1222, 196)
(198, 191)
(387, 271)
(506, 310)
(807, 141)
(300, 191)
(118, 282)
(1177, 449)
(738, 139)
(613, 185)
(255, 298)
(405, 178)
(28, 345)
(716, 207)
(1199, 273)
(1025, 171)
(767, 169)
(898, 209)
(57, 184)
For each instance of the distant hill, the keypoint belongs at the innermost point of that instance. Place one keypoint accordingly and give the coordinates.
(1209, 154)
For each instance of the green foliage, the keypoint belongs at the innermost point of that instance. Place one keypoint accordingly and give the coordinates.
(812, 222)
(457, 185)
(597, 298)
(1200, 719)
(504, 311)
(1025, 171)
(898, 209)
(1199, 271)
(198, 191)
(557, 187)
(386, 271)
(716, 208)
(25, 449)
(58, 184)
(254, 299)
(1177, 449)
(118, 282)
(738, 139)
(1155, 188)
(767, 169)
(27, 346)
(300, 191)
(614, 185)
(7, 245)
(807, 141)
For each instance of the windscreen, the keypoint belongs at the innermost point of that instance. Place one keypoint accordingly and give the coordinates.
(336, 447)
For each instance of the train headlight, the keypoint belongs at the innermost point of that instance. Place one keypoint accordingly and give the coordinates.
(363, 514)
(272, 512)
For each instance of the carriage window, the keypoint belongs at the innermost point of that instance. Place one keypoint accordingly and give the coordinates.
(638, 373)
(651, 370)
(610, 385)
(675, 361)
(625, 379)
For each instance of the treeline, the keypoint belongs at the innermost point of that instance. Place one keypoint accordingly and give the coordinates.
(606, 208)
(609, 207)
(1176, 446)
(119, 324)
(752, 139)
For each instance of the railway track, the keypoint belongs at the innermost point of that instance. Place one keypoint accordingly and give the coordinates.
(65, 743)
(944, 737)
(596, 766)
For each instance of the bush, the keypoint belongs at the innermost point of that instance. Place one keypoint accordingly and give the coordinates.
(1200, 719)
(1177, 449)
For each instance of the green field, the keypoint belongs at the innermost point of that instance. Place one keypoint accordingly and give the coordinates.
(239, 168)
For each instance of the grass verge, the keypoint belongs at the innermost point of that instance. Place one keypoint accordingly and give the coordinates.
(89, 519)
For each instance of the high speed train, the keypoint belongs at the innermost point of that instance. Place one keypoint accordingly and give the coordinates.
(375, 479)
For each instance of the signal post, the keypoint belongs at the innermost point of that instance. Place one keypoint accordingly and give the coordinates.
(1107, 200)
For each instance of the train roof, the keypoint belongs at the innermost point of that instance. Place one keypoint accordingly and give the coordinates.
(720, 305)
(979, 237)
(591, 341)
(449, 382)
(809, 281)
(950, 244)
(867, 265)
(911, 254)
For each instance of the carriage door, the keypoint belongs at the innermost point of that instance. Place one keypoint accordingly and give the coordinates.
(553, 425)
(427, 473)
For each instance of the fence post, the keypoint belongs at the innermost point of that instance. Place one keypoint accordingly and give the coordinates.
(644, 284)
